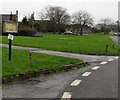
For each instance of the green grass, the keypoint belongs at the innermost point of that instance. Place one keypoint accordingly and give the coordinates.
(91, 44)
(110, 34)
(0, 58)
(20, 62)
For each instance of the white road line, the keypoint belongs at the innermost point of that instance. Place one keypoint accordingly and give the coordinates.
(116, 57)
(66, 95)
(95, 68)
(76, 82)
(103, 63)
(86, 74)
(110, 59)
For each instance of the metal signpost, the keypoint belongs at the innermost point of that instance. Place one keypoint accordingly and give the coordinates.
(10, 37)
(10, 27)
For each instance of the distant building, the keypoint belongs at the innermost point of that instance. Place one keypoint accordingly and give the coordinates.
(43, 26)
(8, 21)
(10, 17)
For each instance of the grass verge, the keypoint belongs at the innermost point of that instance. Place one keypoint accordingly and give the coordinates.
(89, 44)
(20, 62)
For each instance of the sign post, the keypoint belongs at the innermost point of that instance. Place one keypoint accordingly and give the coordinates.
(10, 37)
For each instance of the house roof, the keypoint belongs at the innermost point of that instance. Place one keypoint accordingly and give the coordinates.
(12, 17)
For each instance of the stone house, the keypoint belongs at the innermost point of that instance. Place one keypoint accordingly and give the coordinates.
(8, 18)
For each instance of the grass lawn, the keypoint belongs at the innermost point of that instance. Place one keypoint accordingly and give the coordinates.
(20, 62)
(91, 44)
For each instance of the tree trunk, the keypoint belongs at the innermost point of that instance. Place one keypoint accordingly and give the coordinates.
(81, 30)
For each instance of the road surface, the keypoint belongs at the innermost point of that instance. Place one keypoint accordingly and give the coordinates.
(100, 81)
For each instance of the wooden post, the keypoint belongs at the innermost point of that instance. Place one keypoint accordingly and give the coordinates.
(30, 59)
(113, 46)
(106, 49)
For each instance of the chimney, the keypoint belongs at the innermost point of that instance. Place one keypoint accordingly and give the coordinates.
(11, 16)
(16, 15)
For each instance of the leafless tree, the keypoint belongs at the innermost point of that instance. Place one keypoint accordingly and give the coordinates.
(58, 17)
(106, 21)
(82, 18)
(106, 25)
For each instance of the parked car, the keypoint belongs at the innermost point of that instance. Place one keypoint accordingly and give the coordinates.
(68, 32)
(115, 33)
(118, 34)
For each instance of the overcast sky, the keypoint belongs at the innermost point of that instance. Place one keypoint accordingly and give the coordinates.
(97, 8)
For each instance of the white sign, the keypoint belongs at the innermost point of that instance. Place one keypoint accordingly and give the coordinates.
(11, 37)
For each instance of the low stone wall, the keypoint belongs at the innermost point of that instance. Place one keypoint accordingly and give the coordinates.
(18, 77)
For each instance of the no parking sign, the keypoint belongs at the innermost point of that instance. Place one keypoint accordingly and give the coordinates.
(11, 37)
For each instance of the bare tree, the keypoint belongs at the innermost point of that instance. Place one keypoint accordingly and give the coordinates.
(106, 25)
(58, 17)
(82, 18)
(106, 21)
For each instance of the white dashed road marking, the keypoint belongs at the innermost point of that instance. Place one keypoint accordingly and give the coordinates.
(103, 63)
(86, 74)
(116, 57)
(66, 95)
(76, 83)
(95, 68)
(110, 59)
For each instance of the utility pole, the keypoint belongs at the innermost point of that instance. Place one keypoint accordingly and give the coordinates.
(118, 16)
(118, 24)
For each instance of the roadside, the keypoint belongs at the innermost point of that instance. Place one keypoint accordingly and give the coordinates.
(42, 87)
(116, 39)
(96, 44)
(49, 86)
(23, 66)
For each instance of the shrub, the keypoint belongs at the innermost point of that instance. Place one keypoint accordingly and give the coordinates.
(27, 31)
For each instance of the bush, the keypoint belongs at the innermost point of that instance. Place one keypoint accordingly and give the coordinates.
(27, 31)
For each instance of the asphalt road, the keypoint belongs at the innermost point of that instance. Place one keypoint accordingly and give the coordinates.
(42, 87)
(96, 85)
(100, 83)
